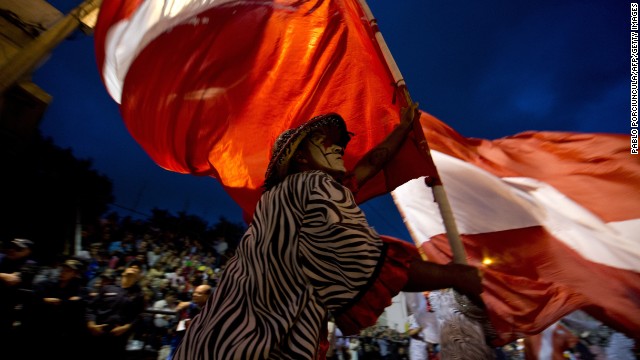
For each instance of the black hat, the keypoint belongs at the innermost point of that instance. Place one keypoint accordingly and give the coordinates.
(21, 244)
(287, 143)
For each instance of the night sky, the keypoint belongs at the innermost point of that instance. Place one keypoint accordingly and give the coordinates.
(489, 69)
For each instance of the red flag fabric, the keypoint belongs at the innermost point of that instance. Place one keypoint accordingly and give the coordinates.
(554, 215)
(205, 87)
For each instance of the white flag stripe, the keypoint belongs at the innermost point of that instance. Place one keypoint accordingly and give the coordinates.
(484, 203)
(128, 37)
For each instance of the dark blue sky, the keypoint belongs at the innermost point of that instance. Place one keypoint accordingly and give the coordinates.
(489, 69)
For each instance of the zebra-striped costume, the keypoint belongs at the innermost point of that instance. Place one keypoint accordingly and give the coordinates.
(309, 250)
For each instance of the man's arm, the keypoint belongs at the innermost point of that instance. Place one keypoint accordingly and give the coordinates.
(182, 305)
(374, 160)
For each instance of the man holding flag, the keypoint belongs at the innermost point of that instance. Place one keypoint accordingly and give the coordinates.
(309, 255)
(231, 69)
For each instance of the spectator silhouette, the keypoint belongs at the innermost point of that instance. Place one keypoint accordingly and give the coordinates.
(164, 323)
(59, 313)
(113, 313)
(17, 271)
(187, 310)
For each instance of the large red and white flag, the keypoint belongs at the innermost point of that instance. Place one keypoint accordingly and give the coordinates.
(205, 86)
(556, 214)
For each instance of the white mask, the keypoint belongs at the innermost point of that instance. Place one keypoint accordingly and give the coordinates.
(320, 152)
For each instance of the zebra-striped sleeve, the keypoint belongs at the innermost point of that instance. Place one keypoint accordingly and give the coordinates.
(340, 250)
(308, 250)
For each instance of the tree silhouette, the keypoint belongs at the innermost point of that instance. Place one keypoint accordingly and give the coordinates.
(47, 191)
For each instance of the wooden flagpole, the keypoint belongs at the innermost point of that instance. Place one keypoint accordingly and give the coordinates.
(466, 328)
(439, 194)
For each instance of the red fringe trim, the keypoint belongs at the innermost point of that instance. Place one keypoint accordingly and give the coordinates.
(392, 278)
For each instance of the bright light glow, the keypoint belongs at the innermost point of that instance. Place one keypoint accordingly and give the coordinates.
(487, 261)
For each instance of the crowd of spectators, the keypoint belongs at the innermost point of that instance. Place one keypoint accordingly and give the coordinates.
(131, 292)
(163, 276)
(65, 301)
(373, 343)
